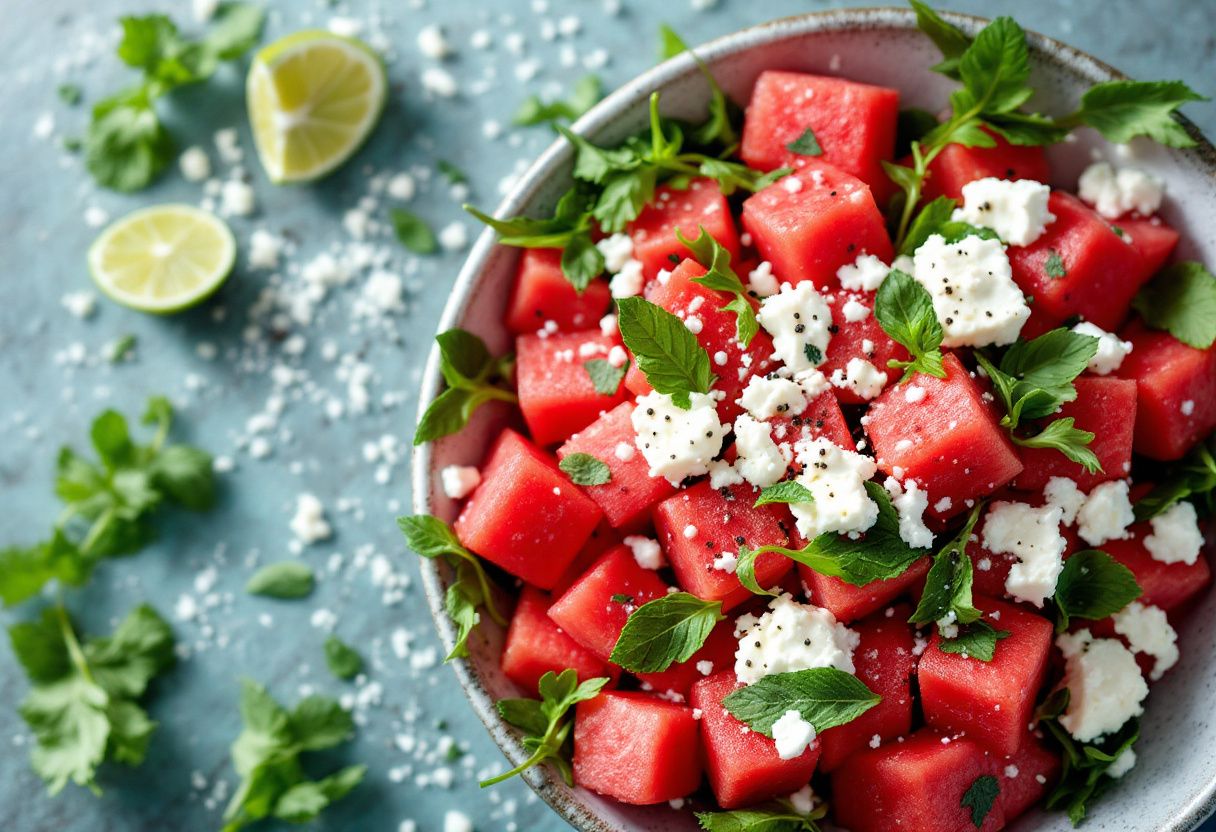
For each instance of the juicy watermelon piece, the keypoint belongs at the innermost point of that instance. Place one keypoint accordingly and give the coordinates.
(913, 786)
(1102, 272)
(636, 748)
(989, 701)
(721, 521)
(602, 539)
(678, 294)
(556, 395)
(1019, 775)
(848, 602)
(822, 417)
(1106, 407)
(535, 645)
(1168, 374)
(587, 611)
(958, 452)
(884, 660)
(677, 680)
(654, 231)
(1169, 586)
(743, 766)
(1151, 238)
(863, 339)
(627, 498)
(854, 124)
(955, 166)
(810, 229)
(526, 516)
(542, 293)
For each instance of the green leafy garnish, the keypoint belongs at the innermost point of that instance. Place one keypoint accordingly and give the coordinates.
(1123, 110)
(413, 232)
(266, 755)
(122, 348)
(1093, 585)
(544, 723)
(473, 377)
(904, 310)
(781, 817)
(70, 94)
(948, 584)
(585, 469)
(665, 631)
(1054, 265)
(1193, 478)
(720, 277)
(789, 491)
(980, 797)
(666, 352)
(587, 91)
(720, 128)
(1182, 301)
(976, 640)
(342, 659)
(286, 580)
(605, 378)
(432, 538)
(453, 174)
(823, 696)
(806, 144)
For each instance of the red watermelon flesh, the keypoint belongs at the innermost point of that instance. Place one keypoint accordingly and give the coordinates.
(717, 654)
(1153, 239)
(957, 165)
(1169, 586)
(1019, 775)
(822, 417)
(535, 645)
(602, 539)
(542, 293)
(526, 516)
(654, 231)
(848, 602)
(556, 395)
(862, 339)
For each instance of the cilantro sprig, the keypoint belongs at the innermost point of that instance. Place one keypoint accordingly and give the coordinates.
(544, 721)
(586, 93)
(904, 310)
(665, 631)
(720, 277)
(473, 378)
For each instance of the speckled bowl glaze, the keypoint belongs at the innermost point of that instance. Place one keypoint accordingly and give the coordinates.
(1173, 787)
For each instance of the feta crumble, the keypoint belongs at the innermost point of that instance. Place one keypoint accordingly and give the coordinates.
(677, 443)
(309, 524)
(766, 397)
(974, 296)
(792, 734)
(617, 250)
(860, 376)
(865, 274)
(459, 480)
(1111, 350)
(1106, 514)
(910, 500)
(790, 636)
(798, 318)
(646, 551)
(1104, 682)
(836, 479)
(1033, 536)
(760, 461)
(1176, 537)
(1114, 193)
(1015, 209)
(629, 281)
(1064, 494)
(761, 280)
(1148, 631)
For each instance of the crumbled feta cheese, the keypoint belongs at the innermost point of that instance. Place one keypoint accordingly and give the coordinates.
(1148, 631)
(1176, 536)
(790, 636)
(264, 249)
(760, 461)
(726, 562)
(1104, 682)
(813, 383)
(860, 376)
(914, 394)
(617, 250)
(802, 801)
(766, 397)
(628, 281)
(83, 304)
(1064, 494)
(439, 82)
(798, 318)
(722, 474)
(1124, 763)
(459, 480)
(617, 357)
(690, 531)
(432, 43)
(453, 237)
(456, 821)
(855, 311)
(1115, 193)
(624, 451)
(194, 163)
(1106, 514)
(309, 524)
(677, 443)
(910, 501)
(1111, 351)
(646, 551)
(1015, 209)
(1033, 536)
(237, 199)
(791, 733)
(974, 296)
(401, 187)
(865, 274)
(836, 479)
(761, 280)
(705, 667)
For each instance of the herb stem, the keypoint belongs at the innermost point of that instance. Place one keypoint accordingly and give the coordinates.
(73, 644)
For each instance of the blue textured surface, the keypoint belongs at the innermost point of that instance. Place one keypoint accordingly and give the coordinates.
(48, 397)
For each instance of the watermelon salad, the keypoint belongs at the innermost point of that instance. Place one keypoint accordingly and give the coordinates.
(855, 466)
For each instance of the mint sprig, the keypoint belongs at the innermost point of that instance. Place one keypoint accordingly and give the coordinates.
(948, 584)
(976, 640)
(823, 696)
(720, 277)
(904, 310)
(1093, 585)
(665, 631)
(779, 817)
(668, 354)
(473, 378)
(806, 144)
(1182, 301)
(605, 378)
(284, 580)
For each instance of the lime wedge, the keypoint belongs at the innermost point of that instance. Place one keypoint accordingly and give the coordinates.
(313, 99)
(162, 259)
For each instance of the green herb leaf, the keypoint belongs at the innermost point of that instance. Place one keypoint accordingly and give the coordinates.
(587, 91)
(122, 349)
(666, 352)
(70, 94)
(285, 580)
(976, 640)
(1182, 301)
(806, 144)
(931, 219)
(995, 67)
(949, 38)
(1093, 585)
(582, 262)
(235, 29)
(1054, 265)
(413, 232)
(904, 310)
(670, 43)
(780, 818)
(342, 659)
(1122, 110)
(473, 378)
(605, 378)
(789, 491)
(665, 631)
(720, 277)
(1036, 377)
(1063, 436)
(824, 696)
(451, 172)
(980, 798)
(126, 146)
(584, 469)
(948, 584)
(1193, 477)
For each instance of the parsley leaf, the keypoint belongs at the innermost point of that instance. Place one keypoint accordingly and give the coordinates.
(789, 491)
(904, 310)
(587, 91)
(286, 580)
(824, 696)
(723, 113)
(721, 278)
(948, 584)
(1122, 110)
(980, 797)
(806, 144)
(585, 469)
(1182, 301)
(665, 631)
(473, 378)
(1193, 477)
(342, 659)
(413, 232)
(544, 721)
(781, 818)
(669, 355)
(976, 640)
(1093, 585)
(605, 378)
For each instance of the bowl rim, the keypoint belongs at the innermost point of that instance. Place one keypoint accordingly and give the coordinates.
(548, 785)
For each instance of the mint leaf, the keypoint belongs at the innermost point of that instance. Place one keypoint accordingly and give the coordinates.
(670, 43)
(1063, 436)
(587, 91)
(584, 469)
(780, 818)
(950, 40)
(284, 580)
(1036, 377)
(605, 378)
(666, 352)
(789, 491)
(948, 584)
(904, 310)
(665, 631)
(806, 144)
(824, 696)
(976, 640)
(995, 67)
(1054, 265)
(931, 219)
(1122, 110)
(980, 798)
(1093, 585)
(1182, 301)
(720, 277)
(235, 29)
(342, 659)
(473, 378)
(413, 232)
(1193, 477)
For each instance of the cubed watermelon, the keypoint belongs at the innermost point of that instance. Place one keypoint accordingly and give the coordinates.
(886, 662)
(989, 701)
(526, 516)
(636, 748)
(603, 538)
(1169, 586)
(913, 786)
(822, 417)
(715, 655)
(1153, 239)
(1021, 787)
(853, 123)
(743, 766)
(535, 645)
(1175, 391)
(848, 602)
(957, 165)
(556, 395)
(1105, 406)
(948, 441)
(863, 339)
(700, 524)
(542, 294)
(683, 209)
(594, 609)
(813, 222)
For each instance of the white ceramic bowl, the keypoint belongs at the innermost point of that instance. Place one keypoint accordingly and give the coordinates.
(1173, 786)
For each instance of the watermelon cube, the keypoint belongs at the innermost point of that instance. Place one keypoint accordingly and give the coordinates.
(556, 395)
(885, 661)
(1019, 775)
(717, 654)
(743, 766)
(854, 124)
(1101, 272)
(913, 786)
(862, 339)
(594, 609)
(948, 441)
(813, 222)
(628, 496)
(1105, 406)
(526, 516)
(957, 165)
(822, 417)
(848, 602)
(1170, 586)
(602, 539)
(1151, 238)
(636, 748)
(542, 294)
(700, 524)
(535, 645)
(991, 702)
(1176, 391)
(681, 209)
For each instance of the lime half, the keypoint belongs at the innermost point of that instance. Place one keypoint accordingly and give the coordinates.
(162, 259)
(313, 99)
